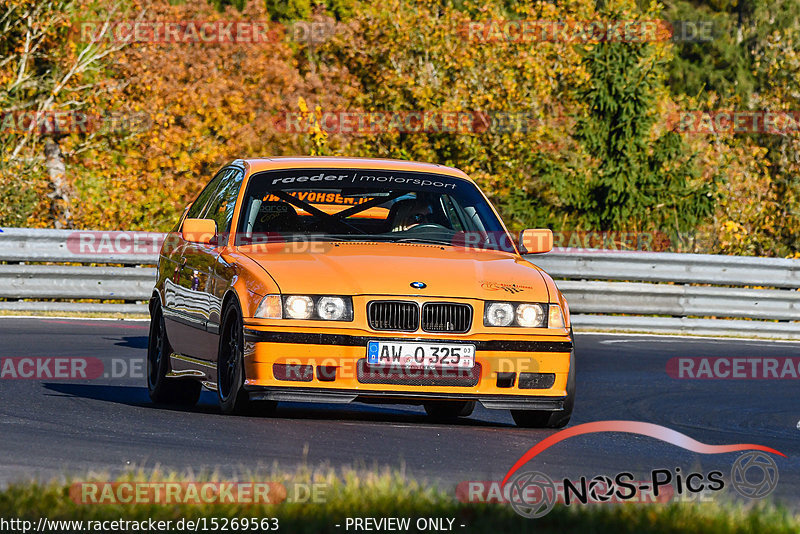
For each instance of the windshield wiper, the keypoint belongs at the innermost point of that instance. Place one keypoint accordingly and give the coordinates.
(383, 238)
(422, 240)
(292, 238)
(362, 238)
(318, 237)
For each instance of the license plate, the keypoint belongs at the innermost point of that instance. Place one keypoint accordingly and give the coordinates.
(421, 355)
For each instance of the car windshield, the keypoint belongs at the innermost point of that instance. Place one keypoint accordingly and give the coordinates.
(374, 205)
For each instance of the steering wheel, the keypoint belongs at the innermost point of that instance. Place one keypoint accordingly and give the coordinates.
(428, 226)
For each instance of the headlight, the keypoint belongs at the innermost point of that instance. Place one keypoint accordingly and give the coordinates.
(331, 308)
(270, 307)
(499, 314)
(524, 314)
(530, 315)
(299, 307)
(313, 307)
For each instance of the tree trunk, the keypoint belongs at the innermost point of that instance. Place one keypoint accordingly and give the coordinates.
(60, 196)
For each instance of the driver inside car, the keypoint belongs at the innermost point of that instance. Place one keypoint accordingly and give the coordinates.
(406, 214)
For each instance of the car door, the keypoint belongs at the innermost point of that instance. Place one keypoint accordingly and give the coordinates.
(182, 313)
(221, 211)
(202, 288)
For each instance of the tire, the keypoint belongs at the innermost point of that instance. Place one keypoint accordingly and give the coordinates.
(545, 419)
(233, 398)
(163, 390)
(443, 410)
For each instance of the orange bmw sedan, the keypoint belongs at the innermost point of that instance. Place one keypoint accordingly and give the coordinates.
(339, 280)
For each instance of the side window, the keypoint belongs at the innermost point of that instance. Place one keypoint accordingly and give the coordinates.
(204, 196)
(220, 207)
(456, 221)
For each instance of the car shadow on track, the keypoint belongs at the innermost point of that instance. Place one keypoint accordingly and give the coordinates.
(129, 395)
(134, 342)
(371, 413)
(137, 396)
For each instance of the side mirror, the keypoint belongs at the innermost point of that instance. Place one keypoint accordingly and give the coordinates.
(536, 241)
(202, 231)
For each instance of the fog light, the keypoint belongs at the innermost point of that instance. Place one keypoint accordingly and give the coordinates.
(536, 380)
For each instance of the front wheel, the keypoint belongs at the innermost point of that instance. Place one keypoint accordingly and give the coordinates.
(164, 390)
(233, 399)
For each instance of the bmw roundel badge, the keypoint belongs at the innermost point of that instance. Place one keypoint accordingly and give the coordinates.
(419, 285)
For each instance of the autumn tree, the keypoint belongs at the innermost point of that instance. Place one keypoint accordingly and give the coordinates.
(43, 71)
(421, 56)
(640, 178)
(207, 103)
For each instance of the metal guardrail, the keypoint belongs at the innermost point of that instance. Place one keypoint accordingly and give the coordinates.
(664, 292)
(689, 326)
(639, 291)
(76, 282)
(585, 264)
(681, 300)
(75, 246)
(37, 287)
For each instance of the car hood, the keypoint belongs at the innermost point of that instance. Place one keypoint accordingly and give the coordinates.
(390, 268)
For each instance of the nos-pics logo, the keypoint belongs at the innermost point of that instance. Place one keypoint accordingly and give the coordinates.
(533, 494)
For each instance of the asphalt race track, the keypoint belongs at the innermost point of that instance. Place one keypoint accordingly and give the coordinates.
(56, 428)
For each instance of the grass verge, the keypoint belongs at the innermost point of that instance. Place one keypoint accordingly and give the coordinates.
(352, 494)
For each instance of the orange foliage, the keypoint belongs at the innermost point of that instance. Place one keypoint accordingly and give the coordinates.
(207, 104)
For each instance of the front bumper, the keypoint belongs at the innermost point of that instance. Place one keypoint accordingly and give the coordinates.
(493, 402)
(330, 366)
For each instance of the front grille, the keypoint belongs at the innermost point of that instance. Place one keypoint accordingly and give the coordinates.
(446, 317)
(393, 315)
(401, 376)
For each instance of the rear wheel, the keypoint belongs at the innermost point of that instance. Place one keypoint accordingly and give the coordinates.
(545, 419)
(449, 409)
(162, 389)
